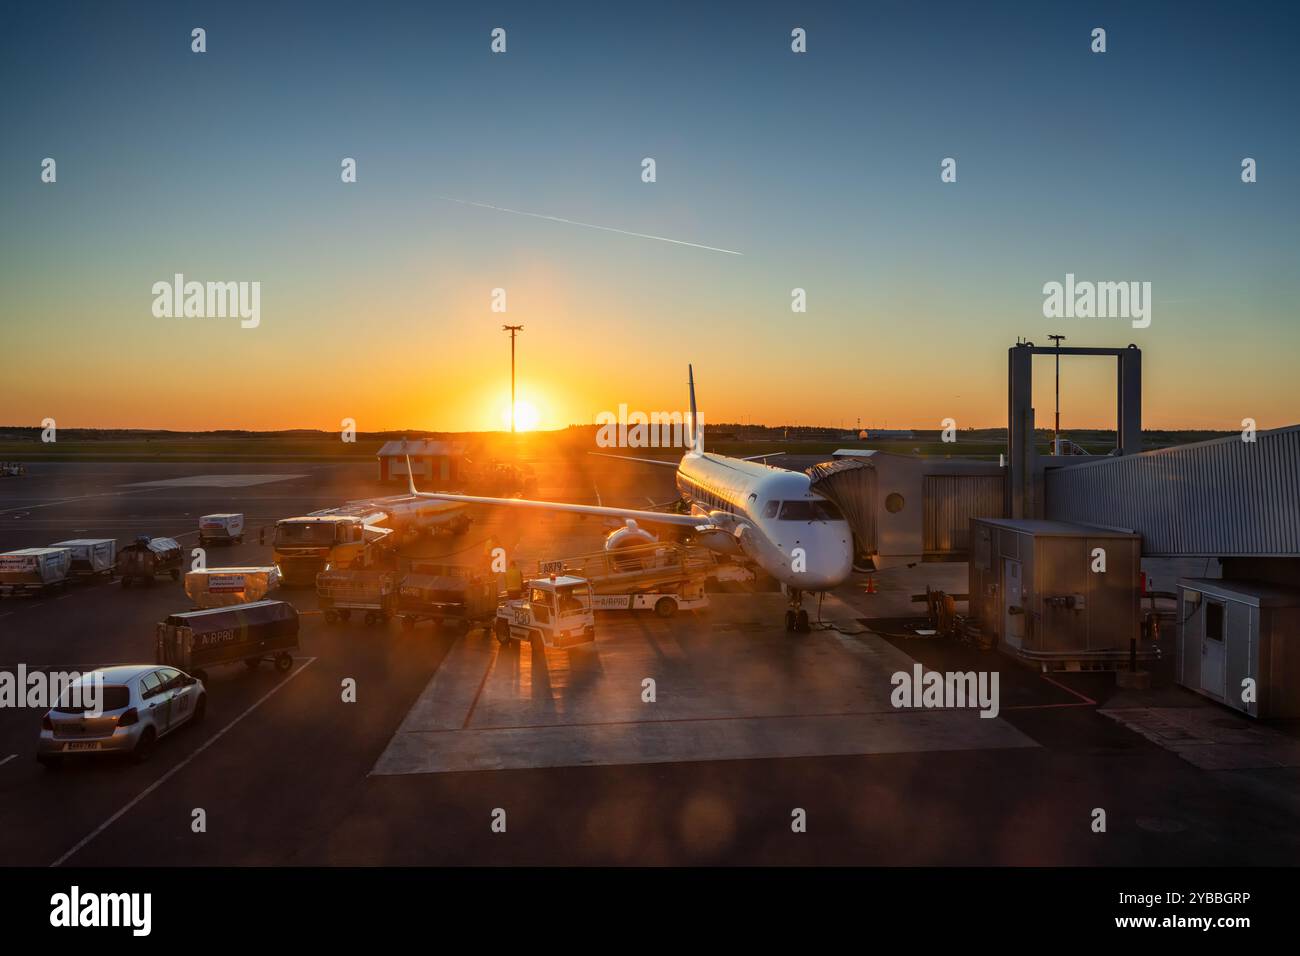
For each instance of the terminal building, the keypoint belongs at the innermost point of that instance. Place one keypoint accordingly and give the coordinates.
(1218, 521)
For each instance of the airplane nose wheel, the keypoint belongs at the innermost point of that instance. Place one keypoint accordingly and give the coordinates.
(796, 618)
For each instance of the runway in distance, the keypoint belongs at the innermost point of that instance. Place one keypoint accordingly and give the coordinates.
(738, 506)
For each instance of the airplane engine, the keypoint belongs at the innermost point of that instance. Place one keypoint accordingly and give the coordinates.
(630, 535)
(719, 541)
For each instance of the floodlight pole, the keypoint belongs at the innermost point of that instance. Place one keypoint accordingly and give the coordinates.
(513, 330)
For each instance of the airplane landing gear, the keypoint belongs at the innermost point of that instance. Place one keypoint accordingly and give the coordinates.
(796, 618)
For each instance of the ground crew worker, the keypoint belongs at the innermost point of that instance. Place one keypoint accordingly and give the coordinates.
(514, 581)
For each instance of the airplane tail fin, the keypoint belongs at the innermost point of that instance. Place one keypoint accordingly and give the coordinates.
(697, 427)
(410, 476)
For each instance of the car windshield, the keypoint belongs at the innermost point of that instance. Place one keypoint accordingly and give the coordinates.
(570, 603)
(115, 698)
(816, 510)
(317, 533)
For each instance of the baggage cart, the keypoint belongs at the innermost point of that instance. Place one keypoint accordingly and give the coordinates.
(342, 592)
(147, 558)
(195, 641)
(448, 596)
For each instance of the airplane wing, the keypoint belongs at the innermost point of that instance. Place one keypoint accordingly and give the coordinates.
(598, 511)
(644, 461)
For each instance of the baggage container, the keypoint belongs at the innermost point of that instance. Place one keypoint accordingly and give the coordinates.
(33, 570)
(222, 587)
(197, 640)
(221, 528)
(91, 557)
(148, 557)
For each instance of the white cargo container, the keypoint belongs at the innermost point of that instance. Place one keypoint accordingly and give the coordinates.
(222, 587)
(221, 528)
(33, 570)
(90, 556)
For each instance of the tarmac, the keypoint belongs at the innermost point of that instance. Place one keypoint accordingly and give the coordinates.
(741, 725)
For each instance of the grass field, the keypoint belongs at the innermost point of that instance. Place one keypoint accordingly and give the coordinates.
(320, 447)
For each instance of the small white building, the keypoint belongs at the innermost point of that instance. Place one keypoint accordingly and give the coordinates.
(436, 460)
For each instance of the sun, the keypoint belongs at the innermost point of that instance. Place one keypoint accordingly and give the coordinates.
(527, 417)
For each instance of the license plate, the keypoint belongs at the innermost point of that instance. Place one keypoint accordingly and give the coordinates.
(85, 745)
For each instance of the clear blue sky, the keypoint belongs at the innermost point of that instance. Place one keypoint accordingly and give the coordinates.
(823, 169)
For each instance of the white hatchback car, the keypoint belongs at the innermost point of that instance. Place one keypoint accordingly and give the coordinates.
(141, 703)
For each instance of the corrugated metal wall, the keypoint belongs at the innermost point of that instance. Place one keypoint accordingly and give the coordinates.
(851, 484)
(950, 501)
(1222, 497)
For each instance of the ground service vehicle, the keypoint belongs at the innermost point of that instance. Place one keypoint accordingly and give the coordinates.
(306, 546)
(554, 612)
(140, 703)
(148, 557)
(661, 576)
(448, 596)
(222, 587)
(342, 592)
(33, 571)
(221, 529)
(91, 557)
(198, 640)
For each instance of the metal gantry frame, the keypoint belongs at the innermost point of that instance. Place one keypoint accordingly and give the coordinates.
(1024, 499)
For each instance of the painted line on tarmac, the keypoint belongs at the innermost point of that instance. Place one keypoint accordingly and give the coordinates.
(483, 683)
(64, 501)
(7, 759)
(180, 766)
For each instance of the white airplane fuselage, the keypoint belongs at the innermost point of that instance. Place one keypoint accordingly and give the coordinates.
(773, 516)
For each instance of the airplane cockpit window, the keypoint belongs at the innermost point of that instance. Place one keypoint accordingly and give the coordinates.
(828, 511)
(770, 509)
(817, 510)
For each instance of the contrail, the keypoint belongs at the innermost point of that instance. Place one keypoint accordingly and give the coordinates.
(590, 225)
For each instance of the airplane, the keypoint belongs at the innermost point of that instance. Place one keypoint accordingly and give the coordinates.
(738, 506)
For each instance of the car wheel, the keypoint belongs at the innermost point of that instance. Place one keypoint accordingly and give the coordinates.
(283, 662)
(665, 607)
(502, 630)
(145, 745)
(200, 709)
(50, 761)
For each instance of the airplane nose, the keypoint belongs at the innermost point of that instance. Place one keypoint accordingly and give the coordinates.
(830, 561)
